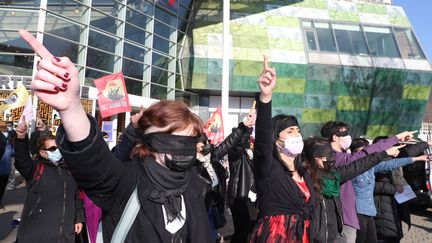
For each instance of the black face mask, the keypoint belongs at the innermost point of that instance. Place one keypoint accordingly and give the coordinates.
(330, 162)
(181, 148)
(180, 163)
(207, 148)
(324, 150)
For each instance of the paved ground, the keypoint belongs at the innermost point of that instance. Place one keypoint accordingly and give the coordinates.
(421, 230)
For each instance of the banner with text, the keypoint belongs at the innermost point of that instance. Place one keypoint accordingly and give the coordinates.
(112, 95)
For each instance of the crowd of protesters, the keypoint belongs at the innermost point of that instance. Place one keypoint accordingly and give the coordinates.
(164, 181)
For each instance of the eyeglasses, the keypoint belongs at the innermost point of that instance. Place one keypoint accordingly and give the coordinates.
(51, 149)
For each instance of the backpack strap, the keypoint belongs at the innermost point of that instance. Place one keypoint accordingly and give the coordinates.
(39, 171)
(127, 219)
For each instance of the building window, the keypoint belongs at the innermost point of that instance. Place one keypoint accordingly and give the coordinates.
(311, 43)
(381, 42)
(350, 39)
(325, 37)
(408, 44)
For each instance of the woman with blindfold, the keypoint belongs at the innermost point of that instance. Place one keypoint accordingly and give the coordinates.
(285, 192)
(159, 187)
(53, 210)
(319, 160)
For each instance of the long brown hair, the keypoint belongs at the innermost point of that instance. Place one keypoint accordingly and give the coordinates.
(175, 115)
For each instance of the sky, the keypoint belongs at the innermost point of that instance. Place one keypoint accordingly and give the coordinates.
(419, 13)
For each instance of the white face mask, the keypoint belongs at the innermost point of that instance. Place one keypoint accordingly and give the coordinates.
(55, 156)
(345, 142)
(293, 146)
(9, 129)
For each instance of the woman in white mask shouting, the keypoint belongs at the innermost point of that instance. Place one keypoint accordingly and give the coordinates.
(285, 192)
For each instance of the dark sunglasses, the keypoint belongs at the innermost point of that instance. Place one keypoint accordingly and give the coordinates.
(52, 149)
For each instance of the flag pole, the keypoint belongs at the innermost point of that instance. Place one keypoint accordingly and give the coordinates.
(225, 60)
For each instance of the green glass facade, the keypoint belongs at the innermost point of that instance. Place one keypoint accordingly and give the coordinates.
(335, 60)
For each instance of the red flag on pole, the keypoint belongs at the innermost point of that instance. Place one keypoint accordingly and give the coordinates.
(112, 95)
(214, 127)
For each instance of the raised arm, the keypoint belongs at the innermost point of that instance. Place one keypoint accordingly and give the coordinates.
(104, 178)
(56, 83)
(361, 165)
(382, 145)
(263, 148)
(23, 162)
(230, 142)
(392, 164)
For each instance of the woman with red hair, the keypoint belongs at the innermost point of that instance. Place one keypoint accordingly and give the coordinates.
(157, 197)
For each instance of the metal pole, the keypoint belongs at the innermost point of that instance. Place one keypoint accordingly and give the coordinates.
(225, 61)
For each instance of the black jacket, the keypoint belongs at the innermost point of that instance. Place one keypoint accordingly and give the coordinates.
(277, 192)
(225, 147)
(109, 183)
(241, 169)
(387, 220)
(329, 218)
(53, 206)
(390, 214)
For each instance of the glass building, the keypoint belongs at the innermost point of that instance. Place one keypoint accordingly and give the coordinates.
(356, 61)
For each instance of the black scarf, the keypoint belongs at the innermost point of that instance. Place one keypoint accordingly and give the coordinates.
(168, 187)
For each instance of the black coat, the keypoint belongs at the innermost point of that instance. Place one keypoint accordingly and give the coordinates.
(52, 207)
(109, 183)
(390, 214)
(227, 146)
(387, 220)
(329, 218)
(241, 169)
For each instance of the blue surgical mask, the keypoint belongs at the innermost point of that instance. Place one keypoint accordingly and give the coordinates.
(55, 156)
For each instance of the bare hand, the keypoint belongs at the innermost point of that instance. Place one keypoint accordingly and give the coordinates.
(21, 129)
(135, 118)
(56, 82)
(250, 119)
(421, 158)
(78, 228)
(394, 151)
(399, 188)
(267, 81)
(406, 136)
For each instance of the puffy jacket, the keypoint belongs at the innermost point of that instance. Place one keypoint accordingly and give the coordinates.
(387, 221)
(53, 206)
(390, 214)
(329, 216)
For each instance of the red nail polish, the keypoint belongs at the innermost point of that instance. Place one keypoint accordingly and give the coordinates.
(57, 59)
(56, 89)
(64, 86)
(66, 75)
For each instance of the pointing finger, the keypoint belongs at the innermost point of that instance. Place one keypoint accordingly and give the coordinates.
(266, 66)
(35, 44)
(141, 111)
(400, 146)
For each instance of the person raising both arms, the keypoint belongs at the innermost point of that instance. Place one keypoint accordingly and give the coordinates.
(158, 187)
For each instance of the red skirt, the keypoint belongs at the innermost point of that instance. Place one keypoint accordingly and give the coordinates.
(278, 229)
